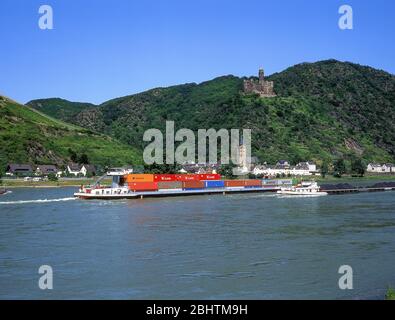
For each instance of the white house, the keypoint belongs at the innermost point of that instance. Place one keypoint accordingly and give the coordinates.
(88, 169)
(380, 168)
(81, 170)
(73, 169)
(284, 168)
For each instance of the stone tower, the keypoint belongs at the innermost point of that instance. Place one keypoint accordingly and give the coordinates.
(261, 76)
(262, 87)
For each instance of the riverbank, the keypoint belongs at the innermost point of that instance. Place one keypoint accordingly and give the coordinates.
(70, 182)
(347, 179)
(20, 183)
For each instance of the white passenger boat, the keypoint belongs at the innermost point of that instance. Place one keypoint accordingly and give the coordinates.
(307, 188)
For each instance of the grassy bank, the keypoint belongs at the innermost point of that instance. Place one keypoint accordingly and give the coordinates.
(19, 183)
(50, 184)
(346, 179)
(390, 295)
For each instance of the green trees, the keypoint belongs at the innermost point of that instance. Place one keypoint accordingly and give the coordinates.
(324, 169)
(81, 159)
(1, 175)
(339, 168)
(390, 295)
(52, 177)
(73, 155)
(357, 167)
(162, 168)
(226, 170)
(312, 116)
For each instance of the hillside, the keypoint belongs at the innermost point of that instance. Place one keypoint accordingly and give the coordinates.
(27, 136)
(323, 111)
(60, 108)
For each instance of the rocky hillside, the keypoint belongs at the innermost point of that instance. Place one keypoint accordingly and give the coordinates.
(323, 111)
(28, 136)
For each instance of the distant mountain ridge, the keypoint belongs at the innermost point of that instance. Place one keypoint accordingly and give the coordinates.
(323, 111)
(29, 136)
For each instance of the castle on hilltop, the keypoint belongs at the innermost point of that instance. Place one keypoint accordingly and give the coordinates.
(262, 87)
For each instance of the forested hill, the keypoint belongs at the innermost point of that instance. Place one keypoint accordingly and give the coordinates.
(323, 111)
(28, 136)
(60, 108)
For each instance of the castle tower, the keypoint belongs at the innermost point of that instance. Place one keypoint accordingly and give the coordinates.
(261, 76)
(262, 87)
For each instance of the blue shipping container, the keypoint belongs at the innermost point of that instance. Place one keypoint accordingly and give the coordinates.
(192, 189)
(214, 184)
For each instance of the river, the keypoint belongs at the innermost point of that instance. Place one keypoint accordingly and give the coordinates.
(255, 246)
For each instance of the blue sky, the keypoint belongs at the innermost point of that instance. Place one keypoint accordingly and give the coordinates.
(102, 49)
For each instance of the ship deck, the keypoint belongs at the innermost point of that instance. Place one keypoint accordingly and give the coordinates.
(174, 193)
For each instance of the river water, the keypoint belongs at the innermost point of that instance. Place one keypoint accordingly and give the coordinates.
(255, 246)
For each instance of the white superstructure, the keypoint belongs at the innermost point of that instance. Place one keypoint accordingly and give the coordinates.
(307, 188)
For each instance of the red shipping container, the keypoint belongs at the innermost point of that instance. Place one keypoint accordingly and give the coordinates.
(187, 177)
(234, 183)
(143, 186)
(253, 183)
(208, 176)
(193, 185)
(164, 177)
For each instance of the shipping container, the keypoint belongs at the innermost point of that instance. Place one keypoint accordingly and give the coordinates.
(170, 185)
(285, 182)
(164, 177)
(211, 176)
(234, 183)
(139, 177)
(253, 183)
(143, 186)
(277, 182)
(193, 185)
(214, 184)
(187, 177)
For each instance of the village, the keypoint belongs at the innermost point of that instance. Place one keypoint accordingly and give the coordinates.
(282, 168)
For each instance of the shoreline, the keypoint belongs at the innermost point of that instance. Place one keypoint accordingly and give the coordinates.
(12, 184)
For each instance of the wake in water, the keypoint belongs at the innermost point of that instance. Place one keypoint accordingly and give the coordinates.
(37, 201)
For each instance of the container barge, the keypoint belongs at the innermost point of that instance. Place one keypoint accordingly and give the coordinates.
(134, 186)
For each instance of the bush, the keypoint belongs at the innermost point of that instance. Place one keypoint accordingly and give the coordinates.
(390, 295)
(357, 167)
(339, 168)
(52, 177)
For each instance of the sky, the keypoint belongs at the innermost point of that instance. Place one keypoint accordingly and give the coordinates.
(101, 49)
